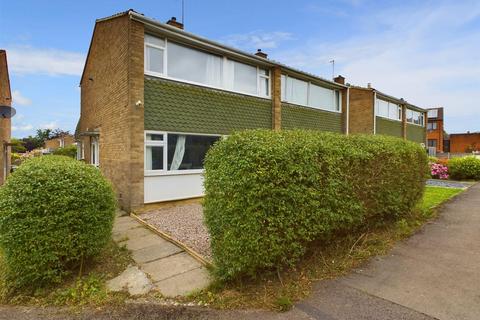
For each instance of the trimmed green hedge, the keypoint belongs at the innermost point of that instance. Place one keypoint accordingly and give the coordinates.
(268, 194)
(54, 212)
(464, 168)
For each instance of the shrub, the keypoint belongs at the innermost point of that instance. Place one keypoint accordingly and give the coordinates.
(268, 194)
(464, 168)
(54, 213)
(438, 171)
(68, 151)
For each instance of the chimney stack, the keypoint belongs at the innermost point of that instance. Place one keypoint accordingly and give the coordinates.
(369, 85)
(261, 54)
(174, 23)
(339, 79)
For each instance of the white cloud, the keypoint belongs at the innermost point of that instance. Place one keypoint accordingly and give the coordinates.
(257, 39)
(19, 99)
(51, 125)
(423, 54)
(26, 127)
(30, 60)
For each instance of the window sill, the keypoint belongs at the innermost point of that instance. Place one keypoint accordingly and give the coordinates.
(386, 118)
(162, 76)
(155, 173)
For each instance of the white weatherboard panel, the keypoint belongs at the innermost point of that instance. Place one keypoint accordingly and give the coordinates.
(173, 187)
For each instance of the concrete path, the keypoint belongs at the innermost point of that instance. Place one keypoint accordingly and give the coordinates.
(433, 275)
(172, 271)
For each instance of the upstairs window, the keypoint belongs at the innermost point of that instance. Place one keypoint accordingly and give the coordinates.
(194, 65)
(388, 110)
(169, 59)
(433, 113)
(417, 118)
(154, 54)
(308, 94)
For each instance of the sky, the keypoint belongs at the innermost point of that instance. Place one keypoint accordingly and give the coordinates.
(427, 52)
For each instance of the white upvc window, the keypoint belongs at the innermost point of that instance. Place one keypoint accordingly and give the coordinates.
(415, 117)
(80, 150)
(389, 110)
(176, 153)
(433, 113)
(94, 152)
(164, 58)
(308, 94)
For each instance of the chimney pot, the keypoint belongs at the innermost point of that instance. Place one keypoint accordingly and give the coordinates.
(261, 54)
(339, 79)
(174, 23)
(369, 85)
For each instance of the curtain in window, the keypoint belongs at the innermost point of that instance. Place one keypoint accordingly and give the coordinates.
(179, 153)
(214, 70)
(149, 158)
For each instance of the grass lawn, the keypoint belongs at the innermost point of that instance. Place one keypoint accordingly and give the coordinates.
(322, 261)
(435, 195)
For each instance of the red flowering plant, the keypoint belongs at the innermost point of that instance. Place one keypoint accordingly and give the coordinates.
(438, 171)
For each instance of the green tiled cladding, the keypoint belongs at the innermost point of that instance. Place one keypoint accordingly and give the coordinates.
(298, 117)
(415, 133)
(178, 107)
(389, 127)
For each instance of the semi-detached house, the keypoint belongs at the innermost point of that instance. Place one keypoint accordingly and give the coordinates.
(154, 98)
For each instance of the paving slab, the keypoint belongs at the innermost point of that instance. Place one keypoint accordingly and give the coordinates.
(170, 266)
(184, 283)
(140, 243)
(157, 251)
(132, 280)
(131, 233)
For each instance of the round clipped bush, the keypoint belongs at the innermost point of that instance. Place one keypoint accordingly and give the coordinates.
(54, 213)
(268, 194)
(464, 168)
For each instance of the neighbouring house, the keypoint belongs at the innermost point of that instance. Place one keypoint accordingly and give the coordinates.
(6, 112)
(465, 142)
(154, 98)
(435, 129)
(374, 112)
(59, 142)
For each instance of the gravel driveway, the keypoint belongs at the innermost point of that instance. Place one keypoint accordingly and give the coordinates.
(183, 223)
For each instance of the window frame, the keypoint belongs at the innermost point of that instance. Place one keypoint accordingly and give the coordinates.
(417, 114)
(398, 112)
(284, 98)
(95, 145)
(164, 144)
(224, 74)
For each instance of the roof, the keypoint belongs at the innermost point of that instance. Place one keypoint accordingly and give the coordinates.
(179, 34)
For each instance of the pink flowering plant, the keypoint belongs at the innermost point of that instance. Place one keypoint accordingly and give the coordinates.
(439, 171)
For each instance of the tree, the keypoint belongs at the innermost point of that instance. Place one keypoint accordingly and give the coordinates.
(17, 146)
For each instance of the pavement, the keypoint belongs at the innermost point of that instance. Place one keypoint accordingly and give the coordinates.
(160, 265)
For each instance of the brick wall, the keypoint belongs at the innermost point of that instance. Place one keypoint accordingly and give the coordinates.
(52, 144)
(361, 115)
(437, 134)
(5, 124)
(111, 85)
(461, 142)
